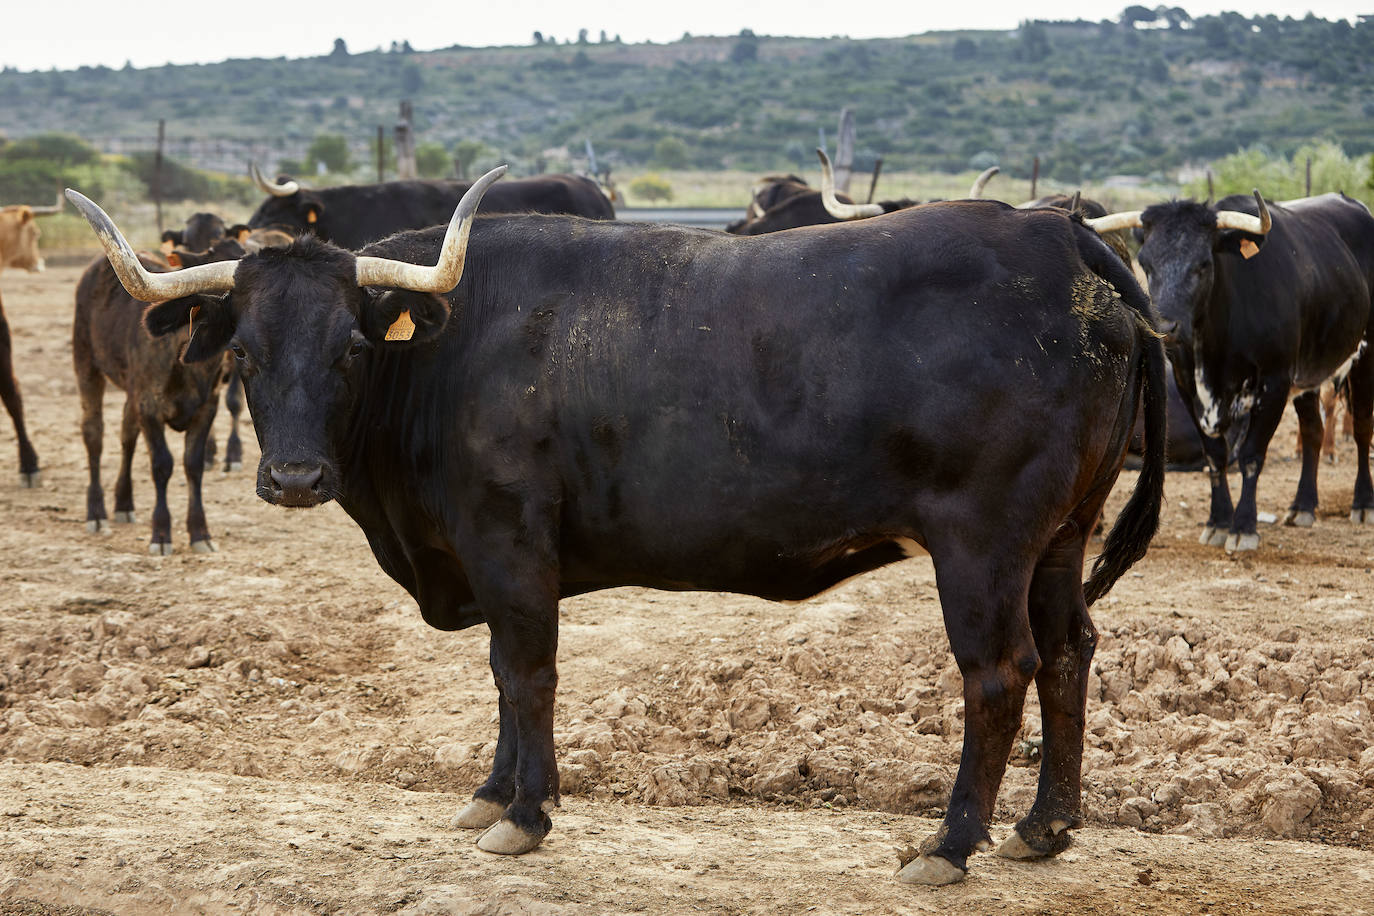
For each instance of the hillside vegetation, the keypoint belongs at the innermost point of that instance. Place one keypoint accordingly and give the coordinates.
(1142, 95)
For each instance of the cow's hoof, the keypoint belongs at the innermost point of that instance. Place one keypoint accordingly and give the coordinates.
(30, 480)
(931, 870)
(159, 550)
(1300, 518)
(98, 526)
(1238, 543)
(506, 839)
(233, 466)
(125, 518)
(205, 546)
(478, 814)
(1362, 516)
(1212, 537)
(1013, 847)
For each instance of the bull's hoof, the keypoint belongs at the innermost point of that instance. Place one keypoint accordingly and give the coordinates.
(1013, 847)
(1300, 518)
(506, 839)
(1212, 537)
(159, 550)
(1362, 516)
(98, 526)
(125, 518)
(478, 814)
(1239, 543)
(931, 870)
(205, 546)
(233, 466)
(30, 480)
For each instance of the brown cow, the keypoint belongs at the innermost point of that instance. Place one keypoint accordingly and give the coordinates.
(108, 342)
(19, 234)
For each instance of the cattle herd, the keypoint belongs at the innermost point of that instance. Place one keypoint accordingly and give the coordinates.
(519, 398)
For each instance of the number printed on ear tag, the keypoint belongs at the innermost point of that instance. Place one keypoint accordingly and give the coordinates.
(402, 328)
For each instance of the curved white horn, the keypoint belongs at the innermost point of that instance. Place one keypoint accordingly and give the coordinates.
(1255, 225)
(981, 182)
(285, 189)
(444, 275)
(833, 206)
(142, 285)
(1126, 219)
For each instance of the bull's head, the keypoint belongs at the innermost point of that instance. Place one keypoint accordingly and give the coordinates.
(300, 323)
(1180, 241)
(288, 206)
(19, 235)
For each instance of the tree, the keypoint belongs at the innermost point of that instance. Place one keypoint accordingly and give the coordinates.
(1133, 14)
(340, 48)
(582, 36)
(330, 151)
(746, 49)
(965, 49)
(1033, 42)
(651, 187)
(538, 37)
(432, 160)
(670, 153)
(466, 152)
(60, 150)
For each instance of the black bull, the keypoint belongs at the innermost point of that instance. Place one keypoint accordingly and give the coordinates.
(350, 216)
(603, 404)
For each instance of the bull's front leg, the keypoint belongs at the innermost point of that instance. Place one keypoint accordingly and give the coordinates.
(1361, 411)
(195, 460)
(1264, 419)
(489, 802)
(160, 544)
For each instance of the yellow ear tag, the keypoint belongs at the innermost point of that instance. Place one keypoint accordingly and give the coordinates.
(402, 328)
(1248, 249)
(311, 216)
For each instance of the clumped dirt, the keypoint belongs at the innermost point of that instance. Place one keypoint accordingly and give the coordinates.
(273, 728)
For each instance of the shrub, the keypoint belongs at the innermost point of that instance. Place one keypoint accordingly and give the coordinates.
(651, 187)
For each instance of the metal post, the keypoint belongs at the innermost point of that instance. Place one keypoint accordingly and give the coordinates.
(157, 171)
(877, 170)
(1309, 177)
(405, 143)
(381, 163)
(1035, 178)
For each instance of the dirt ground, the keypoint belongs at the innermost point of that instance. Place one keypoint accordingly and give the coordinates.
(273, 729)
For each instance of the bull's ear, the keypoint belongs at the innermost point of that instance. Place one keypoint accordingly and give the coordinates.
(401, 316)
(210, 317)
(1238, 241)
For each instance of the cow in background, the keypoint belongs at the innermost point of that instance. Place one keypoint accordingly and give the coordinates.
(1257, 300)
(350, 216)
(109, 343)
(19, 235)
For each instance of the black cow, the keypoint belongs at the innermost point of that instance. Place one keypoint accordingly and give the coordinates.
(604, 404)
(200, 232)
(108, 342)
(353, 215)
(1247, 325)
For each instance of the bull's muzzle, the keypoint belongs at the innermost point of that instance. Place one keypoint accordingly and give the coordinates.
(296, 485)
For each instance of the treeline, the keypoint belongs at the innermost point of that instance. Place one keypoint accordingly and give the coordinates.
(1142, 94)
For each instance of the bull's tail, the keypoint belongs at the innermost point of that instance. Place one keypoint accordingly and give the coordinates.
(1136, 525)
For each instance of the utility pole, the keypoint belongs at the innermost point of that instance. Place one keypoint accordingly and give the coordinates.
(405, 143)
(157, 171)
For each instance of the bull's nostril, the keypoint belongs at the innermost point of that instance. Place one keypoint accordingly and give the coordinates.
(296, 480)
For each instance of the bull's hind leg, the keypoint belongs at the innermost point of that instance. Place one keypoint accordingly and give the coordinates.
(29, 475)
(1065, 638)
(1361, 405)
(160, 544)
(1303, 511)
(984, 606)
(195, 461)
(233, 401)
(124, 482)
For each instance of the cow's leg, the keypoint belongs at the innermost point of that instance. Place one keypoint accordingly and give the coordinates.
(489, 802)
(1361, 410)
(524, 646)
(90, 384)
(9, 393)
(161, 459)
(1215, 450)
(1065, 639)
(1264, 419)
(1312, 434)
(124, 483)
(985, 616)
(195, 460)
(233, 400)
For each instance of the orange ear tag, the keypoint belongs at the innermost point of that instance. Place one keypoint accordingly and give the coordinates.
(174, 260)
(1248, 249)
(402, 328)
(311, 216)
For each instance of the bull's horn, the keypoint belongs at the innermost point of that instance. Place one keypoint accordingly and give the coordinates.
(142, 285)
(832, 203)
(285, 189)
(1126, 219)
(1255, 225)
(444, 275)
(49, 211)
(1076, 201)
(981, 182)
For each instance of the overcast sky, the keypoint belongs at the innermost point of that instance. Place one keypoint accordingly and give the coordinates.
(42, 34)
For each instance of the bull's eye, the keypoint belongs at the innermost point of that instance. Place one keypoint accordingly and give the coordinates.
(239, 353)
(356, 348)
